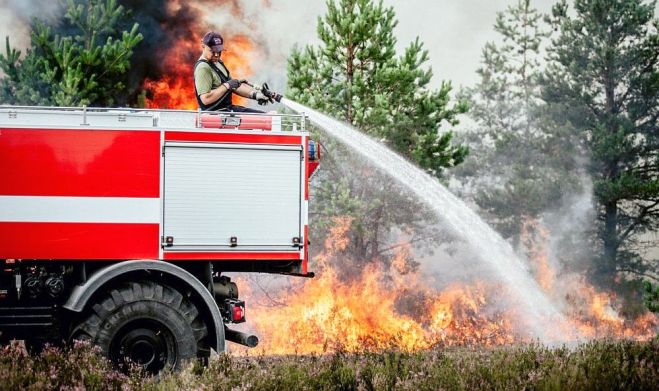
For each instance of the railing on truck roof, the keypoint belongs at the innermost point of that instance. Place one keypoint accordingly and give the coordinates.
(148, 118)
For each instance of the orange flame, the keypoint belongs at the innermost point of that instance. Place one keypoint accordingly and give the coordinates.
(397, 307)
(175, 90)
(592, 313)
(379, 309)
(535, 238)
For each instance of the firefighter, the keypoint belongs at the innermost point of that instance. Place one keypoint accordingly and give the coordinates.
(214, 86)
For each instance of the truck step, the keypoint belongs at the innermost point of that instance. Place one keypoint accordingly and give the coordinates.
(23, 322)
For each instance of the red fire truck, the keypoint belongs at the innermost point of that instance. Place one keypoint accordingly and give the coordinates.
(117, 226)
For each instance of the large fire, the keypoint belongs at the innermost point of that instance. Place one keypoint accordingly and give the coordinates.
(393, 307)
(398, 308)
(175, 90)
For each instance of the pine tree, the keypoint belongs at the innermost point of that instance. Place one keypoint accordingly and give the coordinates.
(517, 170)
(602, 82)
(356, 75)
(83, 61)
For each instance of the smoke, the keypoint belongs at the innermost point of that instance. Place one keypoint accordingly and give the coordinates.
(16, 16)
(453, 32)
(264, 25)
(274, 27)
(162, 23)
(570, 225)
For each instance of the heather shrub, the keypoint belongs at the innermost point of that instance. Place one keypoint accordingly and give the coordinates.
(623, 365)
(77, 368)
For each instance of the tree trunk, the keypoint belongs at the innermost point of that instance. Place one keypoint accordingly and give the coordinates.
(610, 234)
(350, 70)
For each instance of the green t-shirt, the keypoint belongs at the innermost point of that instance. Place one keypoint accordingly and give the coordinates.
(206, 79)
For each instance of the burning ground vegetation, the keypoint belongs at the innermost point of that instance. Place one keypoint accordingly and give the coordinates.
(398, 308)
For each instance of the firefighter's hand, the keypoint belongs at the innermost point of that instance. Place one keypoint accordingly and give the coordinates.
(277, 97)
(261, 99)
(234, 84)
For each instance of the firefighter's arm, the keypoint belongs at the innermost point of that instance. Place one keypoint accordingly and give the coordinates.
(235, 85)
(215, 94)
(245, 90)
(250, 92)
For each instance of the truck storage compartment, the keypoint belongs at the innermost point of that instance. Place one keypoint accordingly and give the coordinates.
(232, 197)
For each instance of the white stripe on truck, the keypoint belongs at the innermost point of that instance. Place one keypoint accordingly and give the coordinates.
(79, 209)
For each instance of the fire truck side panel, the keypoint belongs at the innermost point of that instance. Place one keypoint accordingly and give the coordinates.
(79, 194)
(95, 194)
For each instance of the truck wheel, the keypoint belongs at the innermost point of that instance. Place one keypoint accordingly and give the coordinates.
(150, 324)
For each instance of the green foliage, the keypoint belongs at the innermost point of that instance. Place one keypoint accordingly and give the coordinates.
(517, 170)
(623, 365)
(83, 61)
(602, 82)
(651, 296)
(356, 75)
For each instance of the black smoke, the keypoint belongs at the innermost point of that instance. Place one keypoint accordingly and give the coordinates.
(161, 28)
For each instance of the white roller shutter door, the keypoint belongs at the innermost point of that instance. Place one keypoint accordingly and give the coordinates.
(214, 192)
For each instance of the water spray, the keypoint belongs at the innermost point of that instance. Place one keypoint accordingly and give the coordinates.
(539, 313)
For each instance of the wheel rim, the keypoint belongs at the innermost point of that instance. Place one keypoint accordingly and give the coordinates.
(145, 342)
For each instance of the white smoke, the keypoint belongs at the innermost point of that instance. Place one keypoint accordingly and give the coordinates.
(275, 29)
(569, 226)
(15, 17)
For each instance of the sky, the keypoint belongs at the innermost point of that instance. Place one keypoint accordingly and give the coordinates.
(453, 31)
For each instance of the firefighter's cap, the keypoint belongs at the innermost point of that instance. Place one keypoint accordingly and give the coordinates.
(214, 41)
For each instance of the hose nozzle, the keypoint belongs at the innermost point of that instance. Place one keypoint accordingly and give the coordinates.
(265, 90)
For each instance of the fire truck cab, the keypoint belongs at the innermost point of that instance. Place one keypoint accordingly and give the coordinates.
(117, 225)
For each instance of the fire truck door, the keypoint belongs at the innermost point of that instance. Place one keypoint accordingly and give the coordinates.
(232, 197)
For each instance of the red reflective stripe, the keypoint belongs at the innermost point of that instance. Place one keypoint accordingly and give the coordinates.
(79, 163)
(313, 166)
(78, 241)
(232, 256)
(233, 138)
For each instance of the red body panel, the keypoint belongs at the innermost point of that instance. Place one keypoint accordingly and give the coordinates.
(78, 241)
(98, 163)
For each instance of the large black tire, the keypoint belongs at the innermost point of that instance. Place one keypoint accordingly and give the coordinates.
(145, 323)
